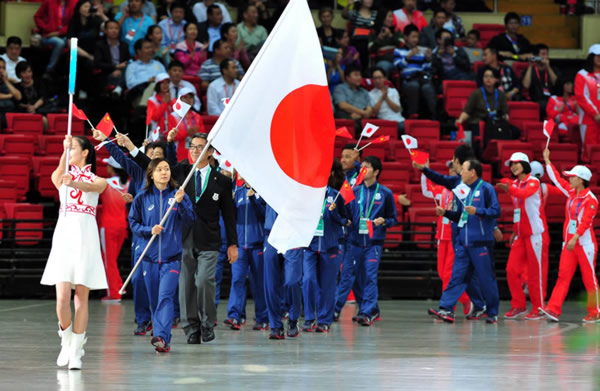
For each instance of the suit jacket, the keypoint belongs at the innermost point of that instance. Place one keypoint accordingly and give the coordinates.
(103, 59)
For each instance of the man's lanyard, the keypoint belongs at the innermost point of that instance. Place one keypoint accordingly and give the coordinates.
(576, 209)
(487, 105)
(171, 32)
(205, 180)
(139, 25)
(514, 43)
(191, 49)
(539, 78)
(473, 193)
(324, 205)
(372, 201)
(226, 91)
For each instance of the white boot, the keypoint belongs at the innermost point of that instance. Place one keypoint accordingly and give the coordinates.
(65, 342)
(76, 350)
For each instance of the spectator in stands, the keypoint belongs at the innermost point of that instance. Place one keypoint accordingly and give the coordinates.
(210, 30)
(33, 94)
(351, 100)
(201, 7)
(386, 100)
(350, 55)
(453, 19)
(587, 93)
(222, 89)
(111, 56)
(509, 82)
(172, 27)
(384, 41)
(449, 61)
(8, 94)
(562, 107)
(134, 23)
(160, 52)
(161, 103)
(252, 34)
(414, 63)
(472, 46)
(510, 45)
(484, 103)
(144, 69)
(175, 71)
(190, 125)
(229, 33)
(335, 71)
(147, 8)
(103, 10)
(210, 68)
(409, 15)
(326, 31)
(190, 52)
(52, 21)
(12, 57)
(427, 36)
(540, 78)
(362, 23)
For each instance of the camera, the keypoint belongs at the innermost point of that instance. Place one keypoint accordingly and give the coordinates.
(535, 59)
(93, 10)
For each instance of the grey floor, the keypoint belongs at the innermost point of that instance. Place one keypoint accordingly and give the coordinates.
(407, 350)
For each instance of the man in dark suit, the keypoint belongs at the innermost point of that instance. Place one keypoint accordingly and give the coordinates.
(210, 31)
(111, 56)
(211, 193)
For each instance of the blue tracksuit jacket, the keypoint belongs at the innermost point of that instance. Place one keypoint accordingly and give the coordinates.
(383, 206)
(250, 218)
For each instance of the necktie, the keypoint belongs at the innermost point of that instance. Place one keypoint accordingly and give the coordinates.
(198, 185)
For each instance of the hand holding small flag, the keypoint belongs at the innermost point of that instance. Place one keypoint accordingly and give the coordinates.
(461, 191)
(347, 192)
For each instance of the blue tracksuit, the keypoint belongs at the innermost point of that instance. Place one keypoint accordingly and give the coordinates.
(353, 173)
(450, 182)
(471, 247)
(276, 289)
(137, 181)
(370, 203)
(320, 263)
(222, 260)
(250, 231)
(162, 261)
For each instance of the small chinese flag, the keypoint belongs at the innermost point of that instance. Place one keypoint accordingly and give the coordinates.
(149, 112)
(419, 157)
(346, 192)
(381, 139)
(105, 125)
(370, 228)
(361, 176)
(78, 113)
(238, 181)
(460, 135)
(343, 132)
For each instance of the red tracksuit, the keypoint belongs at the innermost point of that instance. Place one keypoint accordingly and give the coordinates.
(530, 247)
(587, 93)
(113, 231)
(563, 118)
(581, 208)
(191, 120)
(160, 114)
(445, 251)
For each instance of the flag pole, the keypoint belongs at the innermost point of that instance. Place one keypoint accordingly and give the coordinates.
(364, 146)
(146, 132)
(360, 138)
(72, 76)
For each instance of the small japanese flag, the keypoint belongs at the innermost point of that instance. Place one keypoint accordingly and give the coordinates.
(369, 130)
(410, 142)
(181, 108)
(548, 128)
(114, 183)
(461, 191)
(155, 134)
(225, 101)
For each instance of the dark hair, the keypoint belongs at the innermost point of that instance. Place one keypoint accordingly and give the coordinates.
(211, 8)
(1, 59)
(410, 29)
(438, 34)
(492, 50)
(588, 65)
(187, 25)
(378, 69)
(138, 44)
(538, 48)
(351, 68)
(121, 174)
(217, 44)
(438, 10)
(586, 184)
(526, 166)
(175, 63)
(87, 145)
(200, 135)
(559, 87)
(495, 72)
(463, 153)
(245, 8)
(151, 167)
(351, 147)
(511, 16)
(76, 18)
(339, 33)
(158, 144)
(375, 163)
(475, 33)
(224, 64)
(177, 4)
(326, 9)
(380, 19)
(13, 40)
(22, 67)
(474, 164)
(151, 31)
(111, 21)
(337, 177)
(225, 29)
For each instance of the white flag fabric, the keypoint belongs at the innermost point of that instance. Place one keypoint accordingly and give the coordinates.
(369, 130)
(461, 191)
(155, 134)
(410, 142)
(278, 128)
(181, 108)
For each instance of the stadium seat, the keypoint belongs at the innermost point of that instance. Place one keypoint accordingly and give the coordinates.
(505, 222)
(197, 83)
(519, 67)
(456, 94)
(209, 121)
(58, 123)
(101, 170)
(593, 153)
(14, 168)
(8, 192)
(43, 167)
(378, 150)
(476, 66)
(417, 200)
(386, 128)
(26, 233)
(17, 145)
(562, 154)
(442, 151)
(22, 123)
(426, 215)
(394, 172)
(487, 31)
(519, 112)
(423, 130)
(491, 152)
(50, 146)
(349, 124)
(555, 208)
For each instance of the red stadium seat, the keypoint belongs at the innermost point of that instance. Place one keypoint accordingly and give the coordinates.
(378, 150)
(519, 67)
(563, 154)
(27, 233)
(101, 170)
(24, 123)
(442, 151)
(394, 172)
(196, 82)
(17, 145)
(43, 167)
(423, 215)
(519, 112)
(477, 65)
(58, 123)
(50, 146)
(505, 221)
(386, 128)
(16, 169)
(593, 153)
(209, 121)
(555, 208)
(416, 197)
(349, 124)
(456, 94)
(8, 192)
(422, 129)
(487, 31)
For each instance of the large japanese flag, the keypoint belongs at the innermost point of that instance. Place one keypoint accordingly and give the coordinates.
(278, 128)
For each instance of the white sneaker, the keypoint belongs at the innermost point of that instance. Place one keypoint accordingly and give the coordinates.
(65, 342)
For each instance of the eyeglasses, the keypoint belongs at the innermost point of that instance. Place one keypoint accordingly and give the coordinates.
(196, 147)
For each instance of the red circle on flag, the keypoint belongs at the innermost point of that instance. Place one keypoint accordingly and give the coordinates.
(303, 133)
(177, 106)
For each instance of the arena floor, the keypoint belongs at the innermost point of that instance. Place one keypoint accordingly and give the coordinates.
(407, 350)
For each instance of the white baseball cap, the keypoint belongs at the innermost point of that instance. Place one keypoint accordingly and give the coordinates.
(186, 90)
(537, 169)
(161, 77)
(579, 171)
(517, 157)
(594, 49)
(112, 162)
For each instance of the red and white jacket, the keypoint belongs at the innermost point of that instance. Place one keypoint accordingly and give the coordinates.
(527, 196)
(580, 207)
(444, 199)
(567, 116)
(586, 94)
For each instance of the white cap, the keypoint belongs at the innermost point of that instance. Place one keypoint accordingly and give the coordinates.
(161, 77)
(449, 163)
(594, 49)
(579, 171)
(537, 169)
(517, 157)
(186, 90)
(112, 162)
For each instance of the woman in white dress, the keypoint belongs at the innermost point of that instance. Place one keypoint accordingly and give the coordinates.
(75, 261)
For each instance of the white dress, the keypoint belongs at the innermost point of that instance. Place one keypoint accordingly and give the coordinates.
(75, 256)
